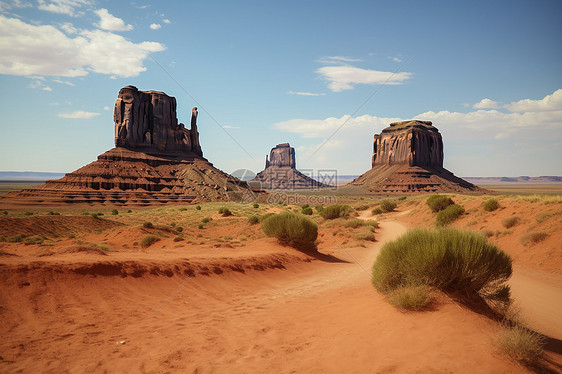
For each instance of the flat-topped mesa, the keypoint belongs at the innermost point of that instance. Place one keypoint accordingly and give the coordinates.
(414, 143)
(147, 121)
(282, 155)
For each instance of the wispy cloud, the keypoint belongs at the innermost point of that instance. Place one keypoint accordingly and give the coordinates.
(79, 114)
(63, 82)
(165, 20)
(230, 127)
(111, 23)
(305, 93)
(29, 49)
(395, 59)
(486, 104)
(155, 26)
(39, 83)
(345, 77)
(68, 7)
(337, 60)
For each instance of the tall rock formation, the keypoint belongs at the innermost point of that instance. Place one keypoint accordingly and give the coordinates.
(280, 171)
(408, 157)
(155, 161)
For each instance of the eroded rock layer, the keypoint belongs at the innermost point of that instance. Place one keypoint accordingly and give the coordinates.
(408, 158)
(280, 172)
(124, 177)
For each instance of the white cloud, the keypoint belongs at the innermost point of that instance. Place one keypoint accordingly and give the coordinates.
(548, 103)
(341, 78)
(63, 82)
(79, 114)
(305, 93)
(111, 23)
(143, 6)
(395, 59)
(155, 26)
(6, 5)
(38, 83)
(471, 140)
(69, 28)
(68, 7)
(44, 50)
(486, 104)
(106, 108)
(165, 20)
(230, 127)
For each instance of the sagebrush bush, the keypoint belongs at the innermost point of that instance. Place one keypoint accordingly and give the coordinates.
(225, 212)
(453, 260)
(148, 240)
(411, 297)
(521, 344)
(335, 211)
(266, 216)
(206, 219)
(388, 205)
(148, 225)
(533, 237)
(449, 214)
(354, 223)
(438, 202)
(490, 205)
(510, 222)
(198, 207)
(365, 235)
(361, 207)
(376, 211)
(253, 219)
(114, 212)
(290, 228)
(307, 211)
(256, 205)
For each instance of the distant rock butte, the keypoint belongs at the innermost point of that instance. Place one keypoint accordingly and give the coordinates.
(280, 172)
(408, 158)
(156, 161)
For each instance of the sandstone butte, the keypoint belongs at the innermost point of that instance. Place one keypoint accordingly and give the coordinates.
(408, 158)
(280, 172)
(155, 161)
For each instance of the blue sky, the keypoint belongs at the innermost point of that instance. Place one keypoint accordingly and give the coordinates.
(487, 73)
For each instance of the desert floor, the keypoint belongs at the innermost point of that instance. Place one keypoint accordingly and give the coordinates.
(82, 295)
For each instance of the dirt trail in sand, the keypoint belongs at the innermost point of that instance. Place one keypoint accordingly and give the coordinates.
(322, 317)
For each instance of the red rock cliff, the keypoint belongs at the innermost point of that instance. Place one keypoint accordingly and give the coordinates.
(147, 120)
(415, 143)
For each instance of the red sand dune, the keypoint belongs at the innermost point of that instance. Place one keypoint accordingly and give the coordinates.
(259, 308)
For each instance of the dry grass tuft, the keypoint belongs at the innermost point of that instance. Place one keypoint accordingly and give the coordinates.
(521, 344)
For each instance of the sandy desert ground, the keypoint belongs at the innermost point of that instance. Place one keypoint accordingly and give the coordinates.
(227, 299)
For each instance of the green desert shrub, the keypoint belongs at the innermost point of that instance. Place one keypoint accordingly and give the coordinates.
(438, 202)
(361, 208)
(290, 228)
(28, 213)
(266, 216)
(114, 212)
(365, 235)
(256, 205)
(200, 227)
(411, 297)
(206, 219)
(148, 240)
(354, 223)
(36, 239)
(335, 211)
(456, 261)
(449, 214)
(179, 229)
(376, 211)
(319, 208)
(401, 198)
(129, 211)
(307, 211)
(388, 205)
(253, 219)
(521, 344)
(510, 222)
(225, 212)
(16, 238)
(53, 213)
(148, 225)
(533, 237)
(490, 205)
(198, 207)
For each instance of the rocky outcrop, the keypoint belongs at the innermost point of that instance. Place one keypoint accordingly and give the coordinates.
(408, 158)
(280, 172)
(415, 143)
(147, 121)
(282, 155)
(156, 161)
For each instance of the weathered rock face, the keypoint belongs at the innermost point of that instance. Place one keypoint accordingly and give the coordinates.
(147, 120)
(408, 158)
(282, 155)
(280, 172)
(156, 161)
(415, 143)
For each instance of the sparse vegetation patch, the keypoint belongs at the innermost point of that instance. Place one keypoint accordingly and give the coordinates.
(438, 202)
(388, 205)
(335, 211)
(449, 214)
(148, 240)
(533, 237)
(490, 205)
(510, 222)
(521, 344)
(290, 228)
